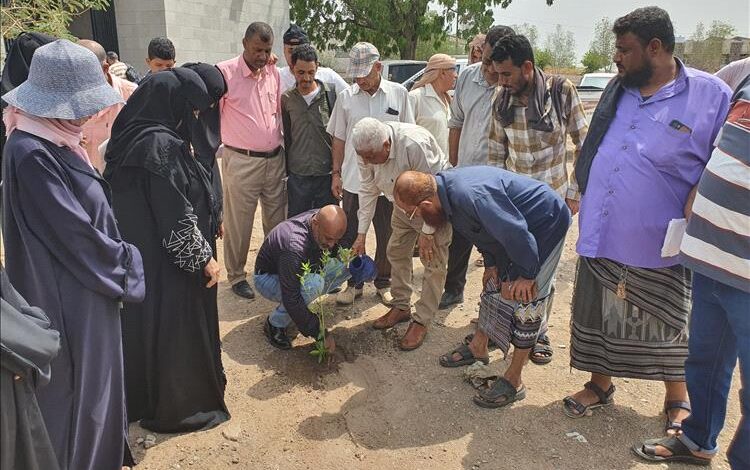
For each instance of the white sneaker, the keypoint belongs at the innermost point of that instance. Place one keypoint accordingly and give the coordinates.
(385, 296)
(347, 296)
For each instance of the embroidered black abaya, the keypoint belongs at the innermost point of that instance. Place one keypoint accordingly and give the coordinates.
(165, 205)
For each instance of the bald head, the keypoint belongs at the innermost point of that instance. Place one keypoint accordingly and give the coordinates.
(413, 187)
(329, 225)
(94, 47)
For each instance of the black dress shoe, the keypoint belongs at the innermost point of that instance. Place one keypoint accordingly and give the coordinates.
(449, 298)
(243, 289)
(276, 336)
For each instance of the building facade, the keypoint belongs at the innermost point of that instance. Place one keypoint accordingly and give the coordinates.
(202, 30)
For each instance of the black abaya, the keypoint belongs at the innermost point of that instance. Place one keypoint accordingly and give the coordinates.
(165, 205)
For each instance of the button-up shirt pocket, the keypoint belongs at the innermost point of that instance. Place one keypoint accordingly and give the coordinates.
(664, 146)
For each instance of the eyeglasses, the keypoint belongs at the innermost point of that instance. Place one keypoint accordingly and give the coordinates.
(414, 212)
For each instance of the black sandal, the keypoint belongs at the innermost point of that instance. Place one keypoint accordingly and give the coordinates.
(680, 452)
(502, 393)
(467, 357)
(670, 425)
(541, 353)
(575, 409)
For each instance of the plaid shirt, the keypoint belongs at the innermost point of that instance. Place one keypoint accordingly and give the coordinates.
(541, 155)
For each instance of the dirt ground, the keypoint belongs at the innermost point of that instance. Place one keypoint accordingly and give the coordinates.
(375, 407)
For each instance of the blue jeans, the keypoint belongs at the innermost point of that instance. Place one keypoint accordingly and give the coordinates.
(719, 334)
(268, 286)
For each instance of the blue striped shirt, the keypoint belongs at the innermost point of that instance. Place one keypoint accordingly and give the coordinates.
(717, 241)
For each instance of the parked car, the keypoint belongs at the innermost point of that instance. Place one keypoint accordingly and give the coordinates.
(591, 88)
(399, 70)
(409, 82)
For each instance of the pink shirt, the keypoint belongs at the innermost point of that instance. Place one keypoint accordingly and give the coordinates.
(98, 128)
(251, 109)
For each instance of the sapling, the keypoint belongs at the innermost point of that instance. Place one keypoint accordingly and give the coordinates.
(332, 273)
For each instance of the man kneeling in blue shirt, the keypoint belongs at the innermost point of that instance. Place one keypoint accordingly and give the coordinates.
(278, 267)
(519, 226)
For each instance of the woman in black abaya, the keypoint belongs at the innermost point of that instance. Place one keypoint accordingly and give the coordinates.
(165, 205)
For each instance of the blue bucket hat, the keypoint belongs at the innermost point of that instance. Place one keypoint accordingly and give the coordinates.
(65, 81)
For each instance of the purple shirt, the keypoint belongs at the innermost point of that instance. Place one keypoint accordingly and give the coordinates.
(650, 158)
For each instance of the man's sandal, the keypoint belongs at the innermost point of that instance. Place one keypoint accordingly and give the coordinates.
(575, 409)
(680, 452)
(541, 352)
(502, 393)
(670, 425)
(467, 357)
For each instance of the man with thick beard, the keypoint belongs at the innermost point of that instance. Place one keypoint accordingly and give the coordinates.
(648, 143)
(519, 226)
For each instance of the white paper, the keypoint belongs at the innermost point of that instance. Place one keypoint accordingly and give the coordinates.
(673, 239)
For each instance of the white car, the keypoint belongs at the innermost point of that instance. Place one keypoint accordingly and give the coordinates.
(591, 88)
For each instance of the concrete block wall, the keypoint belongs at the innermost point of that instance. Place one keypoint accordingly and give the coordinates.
(138, 21)
(201, 30)
(212, 30)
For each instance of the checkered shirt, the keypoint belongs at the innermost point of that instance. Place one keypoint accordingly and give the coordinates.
(537, 154)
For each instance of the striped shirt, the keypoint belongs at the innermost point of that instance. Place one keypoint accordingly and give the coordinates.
(537, 154)
(717, 242)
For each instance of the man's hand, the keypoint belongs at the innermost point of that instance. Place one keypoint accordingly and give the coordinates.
(272, 59)
(337, 187)
(359, 244)
(521, 290)
(220, 232)
(489, 273)
(573, 205)
(212, 271)
(426, 247)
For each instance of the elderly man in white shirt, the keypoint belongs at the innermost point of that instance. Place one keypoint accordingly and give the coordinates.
(369, 96)
(386, 150)
(430, 100)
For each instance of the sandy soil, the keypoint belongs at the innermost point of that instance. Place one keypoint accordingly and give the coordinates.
(375, 407)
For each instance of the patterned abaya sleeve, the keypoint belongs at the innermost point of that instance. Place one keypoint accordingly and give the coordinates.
(177, 226)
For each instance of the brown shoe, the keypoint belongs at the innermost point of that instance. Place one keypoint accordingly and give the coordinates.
(414, 336)
(392, 318)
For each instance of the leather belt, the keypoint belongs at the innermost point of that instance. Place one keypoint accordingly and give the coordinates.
(253, 153)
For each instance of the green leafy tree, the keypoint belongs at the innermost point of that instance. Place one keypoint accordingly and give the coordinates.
(395, 27)
(543, 59)
(593, 61)
(561, 45)
(602, 48)
(531, 33)
(706, 45)
(44, 16)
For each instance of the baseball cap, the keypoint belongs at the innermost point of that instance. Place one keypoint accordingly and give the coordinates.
(295, 36)
(361, 59)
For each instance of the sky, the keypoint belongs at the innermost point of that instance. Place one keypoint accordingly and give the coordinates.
(579, 16)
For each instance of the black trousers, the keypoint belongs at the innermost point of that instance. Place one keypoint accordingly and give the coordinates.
(382, 223)
(458, 263)
(308, 192)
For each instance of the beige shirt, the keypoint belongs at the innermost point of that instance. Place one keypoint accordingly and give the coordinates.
(432, 113)
(412, 148)
(389, 103)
